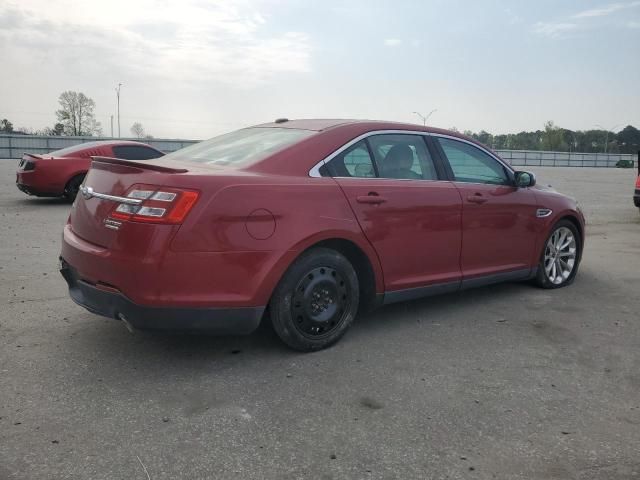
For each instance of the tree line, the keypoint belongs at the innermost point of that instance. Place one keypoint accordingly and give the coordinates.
(558, 139)
(75, 117)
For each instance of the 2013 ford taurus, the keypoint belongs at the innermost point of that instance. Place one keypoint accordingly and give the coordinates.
(309, 222)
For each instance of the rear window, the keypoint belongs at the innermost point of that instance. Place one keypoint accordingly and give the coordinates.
(74, 149)
(242, 147)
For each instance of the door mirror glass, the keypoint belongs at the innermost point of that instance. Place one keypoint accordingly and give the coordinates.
(525, 179)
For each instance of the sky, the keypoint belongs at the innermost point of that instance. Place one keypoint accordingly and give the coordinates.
(198, 68)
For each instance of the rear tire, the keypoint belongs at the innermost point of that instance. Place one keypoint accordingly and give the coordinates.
(316, 301)
(560, 256)
(73, 186)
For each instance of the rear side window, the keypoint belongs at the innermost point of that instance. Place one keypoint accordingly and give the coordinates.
(135, 152)
(355, 161)
(472, 165)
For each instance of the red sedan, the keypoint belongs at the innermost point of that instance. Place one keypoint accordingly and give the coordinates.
(312, 221)
(60, 173)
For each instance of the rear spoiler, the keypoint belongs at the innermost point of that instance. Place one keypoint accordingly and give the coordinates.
(32, 155)
(146, 165)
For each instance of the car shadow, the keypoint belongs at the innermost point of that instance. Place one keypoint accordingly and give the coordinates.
(111, 342)
(43, 201)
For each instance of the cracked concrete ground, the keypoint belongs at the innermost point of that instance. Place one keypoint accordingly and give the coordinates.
(507, 381)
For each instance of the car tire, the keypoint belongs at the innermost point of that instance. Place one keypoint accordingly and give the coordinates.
(73, 186)
(316, 301)
(560, 256)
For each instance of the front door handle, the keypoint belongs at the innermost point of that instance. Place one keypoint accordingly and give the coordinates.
(371, 199)
(477, 198)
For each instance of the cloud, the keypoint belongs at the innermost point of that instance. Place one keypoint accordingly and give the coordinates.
(221, 41)
(633, 24)
(606, 9)
(554, 29)
(392, 42)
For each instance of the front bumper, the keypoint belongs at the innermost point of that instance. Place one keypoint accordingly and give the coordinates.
(636, 198)
(109, 302)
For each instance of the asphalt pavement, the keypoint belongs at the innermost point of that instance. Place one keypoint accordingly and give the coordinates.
(507, 381)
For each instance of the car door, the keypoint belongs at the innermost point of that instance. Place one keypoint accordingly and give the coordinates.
(498, 219)
(412, 220)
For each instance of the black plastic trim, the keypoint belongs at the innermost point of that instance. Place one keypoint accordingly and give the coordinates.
(420, 292)
(636, 198)
(514, 275)
(449, 287)
(221, 321)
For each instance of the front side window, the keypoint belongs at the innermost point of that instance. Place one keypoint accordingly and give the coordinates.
(403, 157)
(472, 165)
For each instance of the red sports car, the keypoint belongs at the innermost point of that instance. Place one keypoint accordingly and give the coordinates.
(310, 221)
(61, 173)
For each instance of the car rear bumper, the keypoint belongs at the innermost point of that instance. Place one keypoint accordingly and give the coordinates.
(109, 302)
(32, 183)
(636, 198)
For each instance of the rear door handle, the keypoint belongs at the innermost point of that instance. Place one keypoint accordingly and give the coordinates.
(477, 198)
(371, 199)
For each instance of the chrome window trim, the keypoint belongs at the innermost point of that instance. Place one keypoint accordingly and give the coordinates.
(315, 170)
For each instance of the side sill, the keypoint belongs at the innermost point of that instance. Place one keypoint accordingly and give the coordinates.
(514, 275)
(420, 292)
(449, 287)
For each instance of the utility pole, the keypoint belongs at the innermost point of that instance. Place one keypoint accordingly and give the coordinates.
(118, 100)
(606, 138)
(424, 119)
(111, 126)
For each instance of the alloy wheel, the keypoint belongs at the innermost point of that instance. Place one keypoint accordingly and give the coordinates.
(560, 255)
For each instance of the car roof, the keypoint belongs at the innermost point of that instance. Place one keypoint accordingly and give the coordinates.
(323, 124)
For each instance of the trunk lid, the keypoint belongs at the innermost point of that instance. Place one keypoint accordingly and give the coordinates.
(90, 215)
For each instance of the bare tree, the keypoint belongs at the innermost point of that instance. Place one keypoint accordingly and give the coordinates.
(6, 126)
(137, 130)
(76, 114)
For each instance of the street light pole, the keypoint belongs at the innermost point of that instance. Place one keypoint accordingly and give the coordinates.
(606, 137)
(424, 119)
(111, 126)
(118, 100)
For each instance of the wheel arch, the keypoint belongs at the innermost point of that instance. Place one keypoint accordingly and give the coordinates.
(362, 257)
(576, 223)
(79, 173)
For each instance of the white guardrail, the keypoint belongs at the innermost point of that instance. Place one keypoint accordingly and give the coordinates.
(13, 146)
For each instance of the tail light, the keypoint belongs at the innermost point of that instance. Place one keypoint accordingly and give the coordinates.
(159, 205)
(638, 181)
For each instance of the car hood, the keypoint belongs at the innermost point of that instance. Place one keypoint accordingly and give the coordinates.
(545, 188)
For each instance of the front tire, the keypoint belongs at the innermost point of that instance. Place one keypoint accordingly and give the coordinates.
(316, 301)
(560, 256)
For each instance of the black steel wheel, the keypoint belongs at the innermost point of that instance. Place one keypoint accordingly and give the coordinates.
(316, 300)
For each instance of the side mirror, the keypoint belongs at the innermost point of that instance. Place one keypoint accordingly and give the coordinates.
(525, 179)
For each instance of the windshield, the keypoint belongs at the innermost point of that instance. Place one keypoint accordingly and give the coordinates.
(242, 147)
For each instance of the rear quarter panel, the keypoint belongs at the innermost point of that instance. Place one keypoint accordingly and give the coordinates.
(272, 220)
